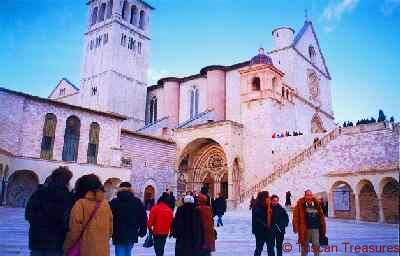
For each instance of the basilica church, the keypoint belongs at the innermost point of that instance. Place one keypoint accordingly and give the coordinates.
(266, 123)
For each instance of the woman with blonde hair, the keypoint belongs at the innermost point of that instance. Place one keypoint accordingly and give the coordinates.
(90, 221)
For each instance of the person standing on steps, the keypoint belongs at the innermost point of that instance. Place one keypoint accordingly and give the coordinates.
(47, 213)
(129, 220)
(309, 223)
(261, 224)
(219, 208)
(288, 201)
(159, 223)
(280, 221)
(207, 245)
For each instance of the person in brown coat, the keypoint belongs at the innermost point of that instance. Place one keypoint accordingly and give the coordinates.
(96, 236)
(207, 223)
(309, 223)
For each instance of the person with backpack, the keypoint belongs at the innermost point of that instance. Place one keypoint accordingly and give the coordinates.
(129, 220)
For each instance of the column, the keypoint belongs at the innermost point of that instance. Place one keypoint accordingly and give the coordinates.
(381, 215)
(331, 212)
(357, 199)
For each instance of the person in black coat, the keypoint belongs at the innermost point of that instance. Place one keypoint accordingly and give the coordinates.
(280, 221)
(47, 212)
(260, 226)
(219, 209)
(187, 229)
(129, 219)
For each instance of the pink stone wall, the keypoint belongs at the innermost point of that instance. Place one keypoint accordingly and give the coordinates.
(216, 93)
(171, 103)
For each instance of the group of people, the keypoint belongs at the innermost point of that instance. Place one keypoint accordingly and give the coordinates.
(286, 134)
(270, 219)
(82, 221)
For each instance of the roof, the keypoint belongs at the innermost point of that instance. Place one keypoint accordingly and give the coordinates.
(151, 137)
(5, 152)
(63, 104)
(141, 1)
(67, 81)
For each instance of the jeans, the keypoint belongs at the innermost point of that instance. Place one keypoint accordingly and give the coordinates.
(264, 239)
(219, 221)
(313, 237)
(123, 249)
(278, 240)
(159, 244)
(47, 253)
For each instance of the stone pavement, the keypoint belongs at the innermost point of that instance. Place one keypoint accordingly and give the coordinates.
(234, 238)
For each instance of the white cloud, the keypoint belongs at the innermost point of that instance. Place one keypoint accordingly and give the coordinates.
(335, 10)
(390, 6)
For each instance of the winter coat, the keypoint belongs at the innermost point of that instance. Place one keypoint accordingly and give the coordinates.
(300, 220)
(160, 219)
(129, 218)
(171, 202)
(207, 222)
(261, 221)
(280, 219)
(47, 213)
(219, 206)
(187, 230)
(95, 239)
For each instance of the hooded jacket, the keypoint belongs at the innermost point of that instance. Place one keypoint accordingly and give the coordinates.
(96, 237)
(206, 216)
(160, 219)
(129, 217)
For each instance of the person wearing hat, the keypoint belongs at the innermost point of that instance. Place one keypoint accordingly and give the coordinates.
(186, 228)
(130, 220)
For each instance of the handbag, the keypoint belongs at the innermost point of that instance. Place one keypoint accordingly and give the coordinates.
(323, 240)
(75, 250)
(149, 242)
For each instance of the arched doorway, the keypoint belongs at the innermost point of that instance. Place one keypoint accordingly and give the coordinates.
(343, 201)
(368, 200)
(203, 163)
(224, 185)
(148, 199)
(21, 186)
(111, 187)
(390, 200)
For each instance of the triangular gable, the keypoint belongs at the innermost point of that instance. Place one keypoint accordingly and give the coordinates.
(63, 88)
(305, 38)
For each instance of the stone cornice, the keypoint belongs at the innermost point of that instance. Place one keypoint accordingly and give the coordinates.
(107, 23)
(118, 73)
(365, 171)
(210, 125)
(318, 109)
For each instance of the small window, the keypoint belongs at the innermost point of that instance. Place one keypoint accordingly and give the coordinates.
(123, 40)
(109, 9)
(62, 92)
(283, 91)
(125, 10)
(93, 145)
(126, 162)
(105, 38)
(102, 12)
(139, 47)
(311, 53)
(142, 20)
(134, 11)
(134, 45)
(94, 90)
(256, 84)
(94, 16)
(91, 44)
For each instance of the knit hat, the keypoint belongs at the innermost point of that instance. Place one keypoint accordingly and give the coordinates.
(125, 184)
(188, 199)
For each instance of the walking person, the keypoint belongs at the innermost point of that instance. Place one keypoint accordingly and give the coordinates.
(91, 219)
(47, 212)
(159, 223)
(280, 221)
(252, 203)
(288, 201)
(219, 208)
(261, 224)
(187, 228)
(207, 244)
(129, 220)
(309, 223)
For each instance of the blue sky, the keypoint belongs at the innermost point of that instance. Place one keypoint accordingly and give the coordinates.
(41, 42)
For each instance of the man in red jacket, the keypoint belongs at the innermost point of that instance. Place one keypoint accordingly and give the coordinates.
(159, 223)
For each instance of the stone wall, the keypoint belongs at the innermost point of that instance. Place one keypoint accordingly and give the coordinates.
(152, 162)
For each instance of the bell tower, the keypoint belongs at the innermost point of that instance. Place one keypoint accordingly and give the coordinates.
(115, 59)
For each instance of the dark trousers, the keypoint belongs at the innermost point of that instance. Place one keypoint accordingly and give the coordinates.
(159, 244)
(219, 220)
(278, 240)
(264, 239)
(47, 253)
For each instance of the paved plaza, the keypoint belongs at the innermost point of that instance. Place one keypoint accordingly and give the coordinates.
(234, 238)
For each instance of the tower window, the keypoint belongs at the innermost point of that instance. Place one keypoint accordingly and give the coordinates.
(94, 15)
(141, 20)
(105, 38)
(109, 9)
(194, 102)
(94, 90)
(256, 84)
(125, 10)
(134, 11)
(140, 47)
(153, 110)
(102, 12)
(123, 40)
(134, 45)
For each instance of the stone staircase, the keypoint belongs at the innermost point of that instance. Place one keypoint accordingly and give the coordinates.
(280, 169)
